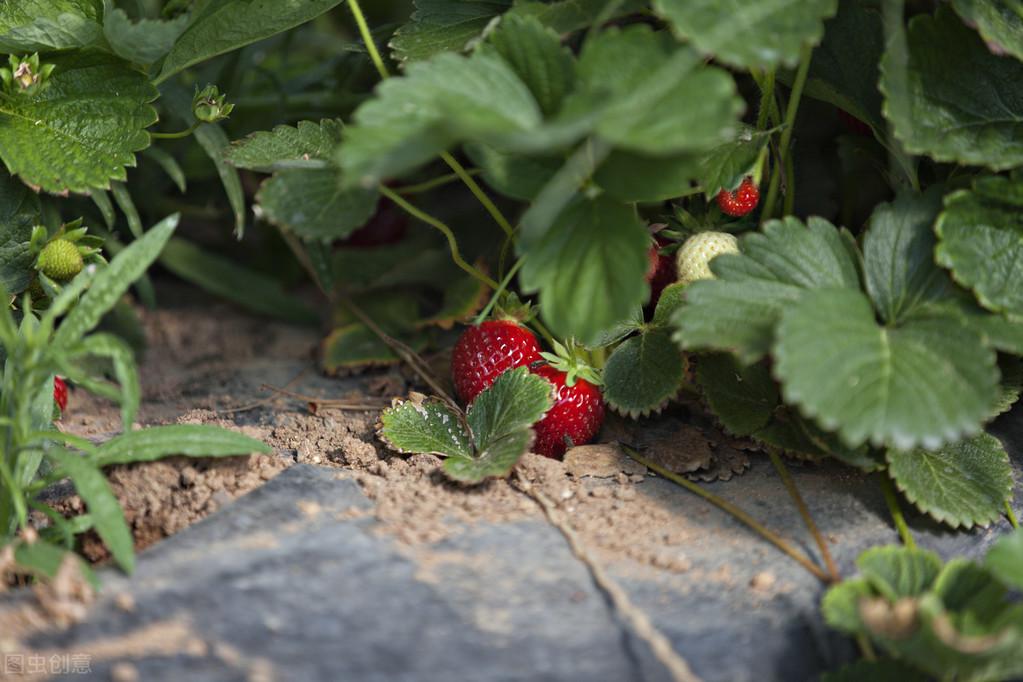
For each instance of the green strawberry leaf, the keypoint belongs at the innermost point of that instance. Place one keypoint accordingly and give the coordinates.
(724, 167)
(672, 298)
(436, 104)
(444, 26)
(514, 175)
(493, 436)
(425, 425)
(981, 241)
(738, 310)
(304, 145)
(897, 572)
(144, 41)
(1000, 23)
(643, 374)
(354, 346)
(464, 296)
(1005, 560)
(535, 53)
(742, 397)
(219, 26)
(1011, 385)
(749, 34)
(660, 99)
(598, 247)
(841, 605)
(190, 440)
(898, 251)
(927, 382)
(945, 94)
(844, 70)
(966, 483)
(19, 212)
(631, 177)
(314, 204)
(81, 130)
(798, 437)
(47, 25)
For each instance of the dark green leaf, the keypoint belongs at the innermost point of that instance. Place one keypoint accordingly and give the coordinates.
(981, 241)
(1000, 23)
(628, 176)
(444, 26)
(19, 211)
(643, 373)
(928, 382)
(46, 25)
(964, 484)
(80, 131)
(588, 268)
(425, 425)
(724, 167)
(742, 397)
(1005, 560)
(315, 205)
(143, 41)
(307, 143)
(514, 175)
(535, 53)
(220, 26)
(945, 94)
(898, 572)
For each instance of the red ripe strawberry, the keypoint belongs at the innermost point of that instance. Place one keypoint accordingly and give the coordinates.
(578, 414)
(485, 352)
(60, 393)
(741, 201)
(662, 270)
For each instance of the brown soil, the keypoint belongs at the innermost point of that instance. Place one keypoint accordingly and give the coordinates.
(194, 372)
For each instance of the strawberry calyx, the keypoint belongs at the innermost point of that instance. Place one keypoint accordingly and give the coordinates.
(510, 308)
(570, 358)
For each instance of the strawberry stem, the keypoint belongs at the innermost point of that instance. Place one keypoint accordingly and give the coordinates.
(434, 183)
(178, 135)
(890, 498)
(786, 133)
(497, 292)
(1011, 515)
(804, 511)
(458, 168)
(444, 229)
(735, 511)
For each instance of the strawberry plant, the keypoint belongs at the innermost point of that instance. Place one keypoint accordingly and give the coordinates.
(803, 215)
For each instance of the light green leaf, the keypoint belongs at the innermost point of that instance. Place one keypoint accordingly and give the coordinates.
(898, 572)
(898, 251)
(496, 461)
(110, 284)
(225, 277)
(514, 175)
(42, 559)
(927, 382)
(628, 176)
(123, 359)
(966, 483)
(305, 144)
(219, 26)
(742, 397)
(105, 510)
(190, 440)
(535, 53)
(598, 247)
(738, 311)
(1000, 23)
(660, 99)
(516, 400)
(980, 237)
(749, 34)
(643, 374)
(437, 103)
(945, 94)
(425, 425)
(214, 142)
(144, 41)
(46, 25)
(19, 211)
(840, 605)
(315, 205)
(1005, 560)
(81, 130)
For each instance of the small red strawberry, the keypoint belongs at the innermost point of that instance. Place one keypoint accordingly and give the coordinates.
(60, 393)
(486, 351)
(387, 226)
(662, 270)
(741, 201)
(577, 415)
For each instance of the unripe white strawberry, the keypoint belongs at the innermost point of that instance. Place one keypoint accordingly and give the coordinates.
(699, 250)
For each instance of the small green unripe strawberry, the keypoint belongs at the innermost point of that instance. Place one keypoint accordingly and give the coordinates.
(60, 260)
(699, 250)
